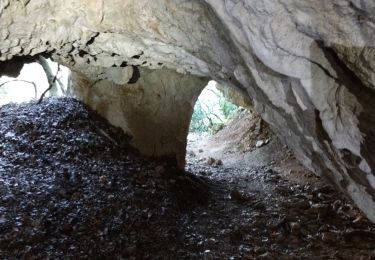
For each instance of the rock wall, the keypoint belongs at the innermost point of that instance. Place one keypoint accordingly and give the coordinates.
(308, 66)
(155, 111)
(239, 98)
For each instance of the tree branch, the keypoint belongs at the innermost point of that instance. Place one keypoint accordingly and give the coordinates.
(47, 70)
(51, 84)
(21, 80)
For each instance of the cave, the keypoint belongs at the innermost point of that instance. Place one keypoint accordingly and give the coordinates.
(34, 79)
(106, 170)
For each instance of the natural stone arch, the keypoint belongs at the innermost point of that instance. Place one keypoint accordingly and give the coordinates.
(282, 53)
(155, 111)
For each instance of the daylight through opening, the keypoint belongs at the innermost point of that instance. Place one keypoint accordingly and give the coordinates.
(34, 79)
(224, 129)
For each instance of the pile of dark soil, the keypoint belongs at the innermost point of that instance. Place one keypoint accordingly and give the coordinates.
(70, 186)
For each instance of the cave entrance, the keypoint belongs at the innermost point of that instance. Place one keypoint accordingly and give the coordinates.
(224, 129)
(33, 80)
(226, 132)
(212, 111)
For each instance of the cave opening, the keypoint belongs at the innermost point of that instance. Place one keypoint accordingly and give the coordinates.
(257, 179)
(34, 79)
(212, 110)
(225, 129)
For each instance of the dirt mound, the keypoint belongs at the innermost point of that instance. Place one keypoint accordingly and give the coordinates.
(246, 141)
(70, 186)
(243, 133)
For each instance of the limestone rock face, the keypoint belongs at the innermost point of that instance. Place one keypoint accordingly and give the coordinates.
(235, 96)
(308, 66)
(155, 111)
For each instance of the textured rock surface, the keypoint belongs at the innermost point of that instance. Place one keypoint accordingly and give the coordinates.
(307, 65)
(240, 98)
(155, 111)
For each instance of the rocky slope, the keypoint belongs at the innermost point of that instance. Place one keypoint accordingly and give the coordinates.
(307, 65)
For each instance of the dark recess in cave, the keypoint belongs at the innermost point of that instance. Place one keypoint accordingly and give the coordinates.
(136, 75)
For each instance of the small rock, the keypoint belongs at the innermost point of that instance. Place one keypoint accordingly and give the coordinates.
(191, 153)
(358, 219)
(131, 250)
(272, 172)
(280, 238)
(260, 250)
(76, 195)
(294, 241)
(295, 228)
(159, 171)
(103, 180)
(328, 237)
(3, 220)
(210, 161)
(321, 209)
(259, 143)
(213, 161)
(266, 255)
(327, 189)
(336, 205)
(300, 205)
(203, 173)
(207, 255)
(9, 135)
(322, 196)
(238, 196)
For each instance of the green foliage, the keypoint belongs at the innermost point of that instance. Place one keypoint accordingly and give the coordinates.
(212, 115)
(228, 109)
(198, 119)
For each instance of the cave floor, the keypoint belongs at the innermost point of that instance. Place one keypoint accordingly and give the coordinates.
(71, 187)
(273, 208)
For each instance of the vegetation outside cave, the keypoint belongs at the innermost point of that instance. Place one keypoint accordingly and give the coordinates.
(32, 82)
(212, 111)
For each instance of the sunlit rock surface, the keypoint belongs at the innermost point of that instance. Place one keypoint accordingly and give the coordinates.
(308, 66)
